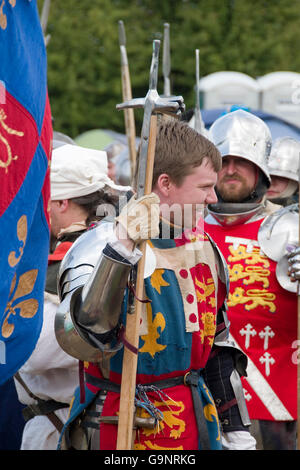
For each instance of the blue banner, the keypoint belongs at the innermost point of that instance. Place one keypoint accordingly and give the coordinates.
(25, 150)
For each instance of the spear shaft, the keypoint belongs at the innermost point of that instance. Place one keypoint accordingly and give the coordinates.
(127, 95)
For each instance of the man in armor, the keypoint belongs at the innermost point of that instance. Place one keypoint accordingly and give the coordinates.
(283, 168)
(188, 388)
(262, 314)
(46, 382)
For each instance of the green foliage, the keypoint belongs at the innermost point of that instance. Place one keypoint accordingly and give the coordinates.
(84, 73)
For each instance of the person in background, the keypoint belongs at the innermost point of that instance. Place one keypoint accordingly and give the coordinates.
(262, 314)
(283, 166)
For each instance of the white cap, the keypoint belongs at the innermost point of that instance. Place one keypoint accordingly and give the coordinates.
(77, 171)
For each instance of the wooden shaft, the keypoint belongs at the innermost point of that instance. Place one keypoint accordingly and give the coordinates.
(129, 118)
(128, 382)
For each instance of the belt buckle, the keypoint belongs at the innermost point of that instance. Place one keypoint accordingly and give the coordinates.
(194, 378)
(185, 377)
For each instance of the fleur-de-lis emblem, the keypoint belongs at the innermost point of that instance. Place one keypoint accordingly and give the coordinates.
(155, 324)
(27, 308)
(3, 18)
(157, 280)
(13, 259)
(20, 287)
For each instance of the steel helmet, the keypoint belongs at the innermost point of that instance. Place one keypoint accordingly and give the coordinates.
(285, 157)
(242, 134)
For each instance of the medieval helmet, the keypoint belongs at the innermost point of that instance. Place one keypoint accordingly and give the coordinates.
(242, 134)
(285, 158)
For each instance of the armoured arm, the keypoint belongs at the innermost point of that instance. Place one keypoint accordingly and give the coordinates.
(98, 307)
(92, 292)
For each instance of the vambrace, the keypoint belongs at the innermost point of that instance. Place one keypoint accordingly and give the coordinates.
(222, 374)
(88, 318)
(99, 308)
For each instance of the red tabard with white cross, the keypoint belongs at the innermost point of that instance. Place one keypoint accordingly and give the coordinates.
(263, 320)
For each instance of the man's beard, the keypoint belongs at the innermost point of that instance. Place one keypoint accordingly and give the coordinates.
(232, 192)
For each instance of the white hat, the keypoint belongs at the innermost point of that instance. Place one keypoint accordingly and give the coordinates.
(77, 171)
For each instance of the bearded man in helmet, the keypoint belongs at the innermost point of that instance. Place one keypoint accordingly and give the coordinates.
(263, 315)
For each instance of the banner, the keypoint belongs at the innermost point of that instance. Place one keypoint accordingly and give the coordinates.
(25, 150)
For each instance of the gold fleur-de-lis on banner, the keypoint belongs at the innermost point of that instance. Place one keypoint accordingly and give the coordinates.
(27, 307)
(13, 259)
(3, 18)
(20, 287)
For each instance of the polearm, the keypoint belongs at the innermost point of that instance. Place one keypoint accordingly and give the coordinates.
(152, 104)
(198, 122)
(166, 60)
(127, 95)
(44, 20)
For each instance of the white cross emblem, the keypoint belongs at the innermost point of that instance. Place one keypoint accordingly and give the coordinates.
(248, 331)
(267, 359)
(265, 334)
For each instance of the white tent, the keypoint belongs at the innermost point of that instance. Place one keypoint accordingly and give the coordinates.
(225, 89)
(280, 95)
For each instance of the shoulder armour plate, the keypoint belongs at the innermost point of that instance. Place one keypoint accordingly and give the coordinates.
(83, 256)
(277, 232)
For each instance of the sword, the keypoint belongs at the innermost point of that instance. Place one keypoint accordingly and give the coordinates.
(127, 95)
(152, 105)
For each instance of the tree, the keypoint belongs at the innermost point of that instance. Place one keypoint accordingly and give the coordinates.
(84, 74)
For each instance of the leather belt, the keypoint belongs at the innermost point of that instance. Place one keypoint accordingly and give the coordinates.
(42, 407)
(190, 379)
